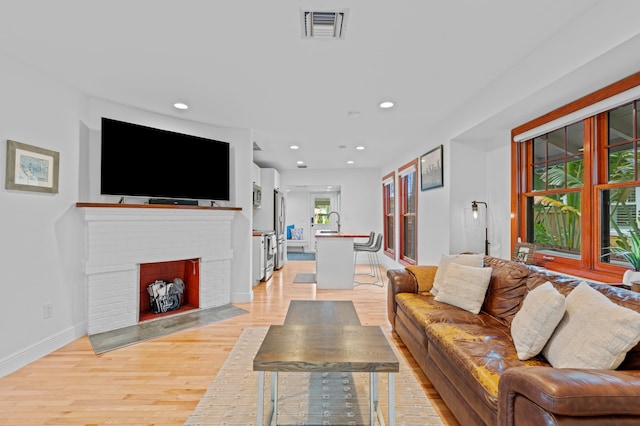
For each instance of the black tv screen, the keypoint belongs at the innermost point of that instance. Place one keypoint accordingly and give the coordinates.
(146, 162)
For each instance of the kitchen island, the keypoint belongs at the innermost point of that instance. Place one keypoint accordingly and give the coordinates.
(335, 259)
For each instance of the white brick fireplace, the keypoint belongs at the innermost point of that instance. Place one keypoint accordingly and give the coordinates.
(120, 238)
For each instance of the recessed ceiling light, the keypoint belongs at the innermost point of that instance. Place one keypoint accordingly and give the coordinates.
(354, 114)
(294, 147)
(180, 105)
(299, 162)
(359, 147)
(350, 162)
(386, 104)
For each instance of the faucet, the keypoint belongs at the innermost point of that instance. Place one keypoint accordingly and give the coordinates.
(338, 222)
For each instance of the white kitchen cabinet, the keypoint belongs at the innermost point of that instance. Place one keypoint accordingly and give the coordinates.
(258, 259)
(256, 176)
(263, 218)
(334, 260)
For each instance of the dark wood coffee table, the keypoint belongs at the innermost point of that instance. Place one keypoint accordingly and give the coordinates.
(321, 312)
(327, 338)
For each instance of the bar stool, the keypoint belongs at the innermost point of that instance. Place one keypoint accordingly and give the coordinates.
(370, 241)
(356, 248)
(374, 264)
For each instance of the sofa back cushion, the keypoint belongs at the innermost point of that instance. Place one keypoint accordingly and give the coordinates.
(507, 288)
(424, 276)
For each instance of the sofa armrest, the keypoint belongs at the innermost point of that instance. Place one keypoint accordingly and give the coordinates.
(400, 281)
(574, 393)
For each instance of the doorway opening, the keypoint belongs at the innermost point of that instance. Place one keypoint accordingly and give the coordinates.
(308, 208)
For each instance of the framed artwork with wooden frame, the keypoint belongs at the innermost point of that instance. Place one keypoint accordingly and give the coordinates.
(431, 171)
(30, 168)
(523, 252)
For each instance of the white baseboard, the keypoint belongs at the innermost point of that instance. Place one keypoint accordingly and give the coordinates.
(241, 296)
(36, 351)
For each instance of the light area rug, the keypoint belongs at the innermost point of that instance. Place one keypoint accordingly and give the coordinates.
(306, 398)
(304, 278)
(116, 339)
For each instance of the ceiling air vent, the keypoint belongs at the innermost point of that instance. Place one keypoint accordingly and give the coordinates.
(302, 166)
(326, 25)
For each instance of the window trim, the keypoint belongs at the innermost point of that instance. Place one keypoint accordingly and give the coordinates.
(588, 266)
(402, 210)
(386, 181)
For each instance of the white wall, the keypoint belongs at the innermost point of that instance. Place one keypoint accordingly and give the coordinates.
(241, 163)
(445, 224)
(41, 248)
(481, 176)
(264, 217)
(467, 183)
(40, 237)
(441, 211)
(360, 194)
(299, 211)
(499, 196)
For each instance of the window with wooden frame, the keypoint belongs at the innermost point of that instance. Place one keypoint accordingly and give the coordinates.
(576, 181)
(389, 207)
(408, 214)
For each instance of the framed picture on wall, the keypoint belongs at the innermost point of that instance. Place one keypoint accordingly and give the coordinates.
(431, 172)
(523, 252)
(30, 168)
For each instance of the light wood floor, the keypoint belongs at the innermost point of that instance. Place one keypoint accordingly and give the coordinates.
(159, 382)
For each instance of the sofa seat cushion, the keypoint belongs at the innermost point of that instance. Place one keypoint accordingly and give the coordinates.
(424, 309)
(479, 352)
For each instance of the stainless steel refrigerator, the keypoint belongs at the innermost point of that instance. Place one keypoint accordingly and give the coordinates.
(281, 228)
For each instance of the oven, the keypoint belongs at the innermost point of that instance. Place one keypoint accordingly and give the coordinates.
(270, 251)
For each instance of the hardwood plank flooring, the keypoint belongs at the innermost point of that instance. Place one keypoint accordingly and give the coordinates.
(159, 382)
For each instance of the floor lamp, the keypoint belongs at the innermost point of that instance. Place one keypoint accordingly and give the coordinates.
(474, 209)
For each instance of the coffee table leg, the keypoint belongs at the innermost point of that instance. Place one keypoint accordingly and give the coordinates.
(392, 399)
(260, 413)
(372, 411)
(274, 397)
(375, 389)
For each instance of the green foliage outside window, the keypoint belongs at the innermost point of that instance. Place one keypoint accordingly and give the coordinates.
(556, 217)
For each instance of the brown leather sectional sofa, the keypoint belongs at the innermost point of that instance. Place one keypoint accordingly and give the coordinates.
(472, 362)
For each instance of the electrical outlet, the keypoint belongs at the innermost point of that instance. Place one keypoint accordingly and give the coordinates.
(47, 310)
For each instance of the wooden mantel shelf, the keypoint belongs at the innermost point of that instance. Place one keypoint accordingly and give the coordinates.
(154, 206)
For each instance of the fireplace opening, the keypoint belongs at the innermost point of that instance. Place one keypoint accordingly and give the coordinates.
(188, 270)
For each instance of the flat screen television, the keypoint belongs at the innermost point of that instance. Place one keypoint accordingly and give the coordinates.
(141, 161)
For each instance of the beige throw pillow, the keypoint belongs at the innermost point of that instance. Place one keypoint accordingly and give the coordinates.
(464, 287)
(476, 260)
(594, 333)
(533, 325)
